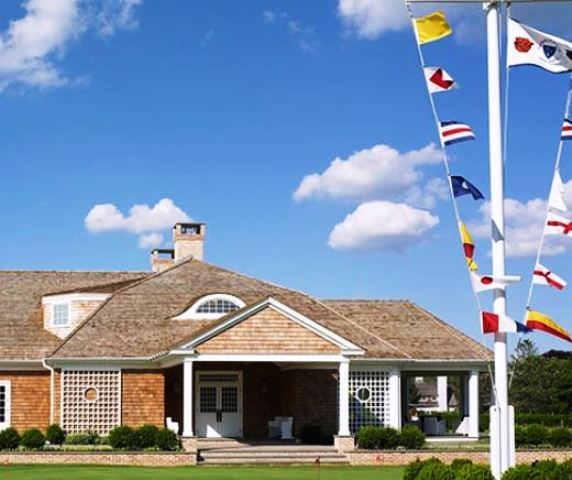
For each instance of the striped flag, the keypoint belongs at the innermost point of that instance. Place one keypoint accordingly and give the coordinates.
(557, 225)
(567, 130)
(539, 321)
(455, 132)
(493, 323)
(543, 276)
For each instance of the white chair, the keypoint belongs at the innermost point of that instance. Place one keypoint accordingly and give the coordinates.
(172, 425)
(463, 428)
(281, 427)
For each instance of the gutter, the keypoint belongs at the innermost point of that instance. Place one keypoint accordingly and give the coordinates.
(52, 388)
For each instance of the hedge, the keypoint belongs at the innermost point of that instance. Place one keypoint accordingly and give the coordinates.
(546, 419)
(385, 438)
(543, 470)
(434, 469)
(539, 435)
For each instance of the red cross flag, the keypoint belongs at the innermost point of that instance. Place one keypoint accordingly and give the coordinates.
(438, 80)
(557, 225)
(543, 276)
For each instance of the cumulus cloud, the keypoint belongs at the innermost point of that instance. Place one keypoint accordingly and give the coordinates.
(379, 172)
(524, 222)
(33, 45)
(370, 18)
(144, 220)
(382, 225)
(305, 35)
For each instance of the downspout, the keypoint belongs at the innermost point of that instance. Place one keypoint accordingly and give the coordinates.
(52, 385)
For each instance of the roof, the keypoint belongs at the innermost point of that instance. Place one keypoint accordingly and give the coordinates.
(137, 321)
(22, 334)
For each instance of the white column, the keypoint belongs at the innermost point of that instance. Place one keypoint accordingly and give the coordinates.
(395, 399)
(474, 404)
(188, 407)
(442, 397)
(344, 398)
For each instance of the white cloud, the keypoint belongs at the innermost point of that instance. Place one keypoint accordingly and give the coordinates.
(382, 225)
(524, 222)
(117, 15)
(142, 219)
(32, 46)
(377, 172)
(370, 18)
(305, 35)
(151, 240)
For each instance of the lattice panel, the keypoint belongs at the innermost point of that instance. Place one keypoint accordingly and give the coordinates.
(91, 400)
(369, 399)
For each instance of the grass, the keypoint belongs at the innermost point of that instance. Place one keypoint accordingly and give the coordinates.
(83, 472)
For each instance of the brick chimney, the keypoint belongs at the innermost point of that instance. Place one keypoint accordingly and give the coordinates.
(161, 259)
(189, 240)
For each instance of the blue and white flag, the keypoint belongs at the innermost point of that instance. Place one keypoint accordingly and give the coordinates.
(455, 132)
(567, 130)
(461, 186)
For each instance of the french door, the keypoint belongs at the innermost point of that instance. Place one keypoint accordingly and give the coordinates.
(219, 404)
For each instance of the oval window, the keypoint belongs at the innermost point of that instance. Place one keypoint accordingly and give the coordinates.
(363, 394)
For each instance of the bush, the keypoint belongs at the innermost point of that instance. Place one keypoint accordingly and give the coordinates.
(146, 436)
(565, 470)
(55, 435)
(536, 435)
(436, 471)
(545, 470)
(520, 438)
(560, 437)
(412, 470)
(311, 434)
(520, 472)
(411, 437)
(459, 463)
(78, 439)
(166, 440)
(474, 472)
(122, 438)
(377, 438)
(33, 439)
(9, 439)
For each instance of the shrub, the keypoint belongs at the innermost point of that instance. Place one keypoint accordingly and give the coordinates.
(412, 470)
(9, 439)
(520, 472)
(436, 471)
(560, 437)
(565, 470)
(122, 438)
(520, 438)
(146, 436)
(459, 463)
(474, 472)
(536, 435)
(545, 470)
(77, 439)
(55, 435)
(311, 434)
(33, 439)
(166, 440)
(411, 437)
(377, 438)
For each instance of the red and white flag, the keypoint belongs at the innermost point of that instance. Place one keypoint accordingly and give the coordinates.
(543, 276)
(556, 199)
(438, 80)
(493, 323)
(482, 283)
(557, 225)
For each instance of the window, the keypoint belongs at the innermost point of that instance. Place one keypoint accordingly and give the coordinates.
(211, 307)
(5, 403)
(61, 315)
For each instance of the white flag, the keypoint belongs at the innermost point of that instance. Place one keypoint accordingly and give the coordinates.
(482, 283)
(527, 46)
(557, 225)
(556, 200)
(543, 276)
(438, 80)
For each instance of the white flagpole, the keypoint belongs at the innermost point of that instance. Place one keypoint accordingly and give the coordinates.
(501, 460)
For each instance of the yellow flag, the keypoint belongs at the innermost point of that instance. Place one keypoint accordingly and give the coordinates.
(432, 27)
(540, 321)
(468, 247)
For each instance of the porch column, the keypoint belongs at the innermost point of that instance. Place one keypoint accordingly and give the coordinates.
(474, 404)
(442, 397)
(188, 411)
(395, 399)
(344, 398)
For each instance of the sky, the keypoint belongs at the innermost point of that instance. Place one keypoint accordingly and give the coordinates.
(300, 132)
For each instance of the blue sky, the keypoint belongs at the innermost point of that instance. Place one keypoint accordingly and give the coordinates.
(224, 107)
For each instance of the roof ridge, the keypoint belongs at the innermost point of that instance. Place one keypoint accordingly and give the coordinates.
(365, 330)
(463, 338)
(71, 271)
(372, 300)
(113, 295)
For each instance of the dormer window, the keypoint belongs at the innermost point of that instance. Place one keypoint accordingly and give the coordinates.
(212, 307)
(61, 315)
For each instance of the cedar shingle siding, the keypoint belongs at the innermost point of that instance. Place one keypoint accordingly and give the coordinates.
(30, 399)
(142, 398)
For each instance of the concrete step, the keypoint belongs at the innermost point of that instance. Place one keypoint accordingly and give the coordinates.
(310, 449)
(240, 454)
(290, 460)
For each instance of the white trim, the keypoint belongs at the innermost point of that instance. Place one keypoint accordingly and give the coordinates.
(395, 398)
(8, 406)
(188, 400)
(346, 346)
(71, 297)
(344, 398)
(192, 314)
(263, 357)
(27, 365)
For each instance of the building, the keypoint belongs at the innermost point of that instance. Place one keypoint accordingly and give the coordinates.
(219, 353)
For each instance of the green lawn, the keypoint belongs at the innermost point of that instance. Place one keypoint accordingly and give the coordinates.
(29, 472)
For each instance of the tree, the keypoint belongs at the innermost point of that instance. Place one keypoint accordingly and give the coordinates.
(524, 349)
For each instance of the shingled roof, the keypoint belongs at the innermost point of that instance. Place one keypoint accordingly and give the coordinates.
(136, 321)
(22, 334)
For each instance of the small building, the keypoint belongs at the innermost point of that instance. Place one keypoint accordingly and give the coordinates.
(212, 352)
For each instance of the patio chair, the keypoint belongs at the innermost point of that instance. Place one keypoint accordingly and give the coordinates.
(172, 425)
(281, 427)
